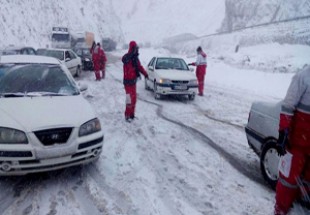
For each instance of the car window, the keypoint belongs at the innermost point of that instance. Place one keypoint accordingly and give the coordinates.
(86, 52)
(79, 52)
(171, 63)
(24, 51)
(52, 53)
(72, 55)
(151, 63)
(67, 55)
(36, 78)
(31, 51)
(11, 52)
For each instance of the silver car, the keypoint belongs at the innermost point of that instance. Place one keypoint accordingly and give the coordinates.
(262, 134)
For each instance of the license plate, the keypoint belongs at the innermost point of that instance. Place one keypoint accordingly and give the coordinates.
(180, 87)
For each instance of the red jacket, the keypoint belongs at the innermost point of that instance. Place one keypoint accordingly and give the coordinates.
(98, 55)
(132, 66)
(295, 113)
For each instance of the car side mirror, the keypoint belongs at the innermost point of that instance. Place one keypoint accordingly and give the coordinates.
(83, 87)
(151, 68)
(68, 59)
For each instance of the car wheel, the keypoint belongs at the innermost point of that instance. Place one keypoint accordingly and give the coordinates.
(269, 163)
(191, 97)
(156, 95)
(78, 71)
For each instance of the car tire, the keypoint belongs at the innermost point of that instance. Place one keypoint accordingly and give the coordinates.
(269, 162)
(191, 97)
(78, 71)
(156, 95)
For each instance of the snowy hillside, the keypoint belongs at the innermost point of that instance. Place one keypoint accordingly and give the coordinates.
(29, 22)
(153, 20)
(244, 13)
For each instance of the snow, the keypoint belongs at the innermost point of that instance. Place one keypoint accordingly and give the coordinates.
(179, 156)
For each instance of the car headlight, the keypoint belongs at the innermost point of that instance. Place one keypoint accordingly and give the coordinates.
(86, 59)
(90, 127)
(10, 135)
(193, 82)
(164, 81)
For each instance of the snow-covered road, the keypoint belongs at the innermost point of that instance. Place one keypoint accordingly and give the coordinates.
(179, 157)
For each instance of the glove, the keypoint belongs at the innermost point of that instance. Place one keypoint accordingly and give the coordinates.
(282, 142)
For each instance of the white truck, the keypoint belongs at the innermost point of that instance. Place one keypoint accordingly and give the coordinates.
(61, 37)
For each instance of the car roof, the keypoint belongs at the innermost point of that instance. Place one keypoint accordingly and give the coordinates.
(28, 59)
(17, 47)
(170, 57)
(57, 49)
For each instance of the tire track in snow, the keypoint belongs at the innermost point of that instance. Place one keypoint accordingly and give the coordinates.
(120, 199)
(239, 166)
(233, 161)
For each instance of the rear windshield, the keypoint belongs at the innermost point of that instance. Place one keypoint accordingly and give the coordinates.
(51, 53)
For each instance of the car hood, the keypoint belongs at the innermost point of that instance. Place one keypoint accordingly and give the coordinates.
(36, 113)
(172, 74)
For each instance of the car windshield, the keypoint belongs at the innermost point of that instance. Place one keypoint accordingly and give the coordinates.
(171, 63)
(86, 52)
(51, 53)
(18, 80)
(60, 37)
(82, 52)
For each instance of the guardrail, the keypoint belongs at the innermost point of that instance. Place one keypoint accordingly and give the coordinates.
(256, 26)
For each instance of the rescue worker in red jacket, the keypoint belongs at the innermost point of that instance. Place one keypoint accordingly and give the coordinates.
(132, 69)
(201, 65)
(294, 143)
(99, 61)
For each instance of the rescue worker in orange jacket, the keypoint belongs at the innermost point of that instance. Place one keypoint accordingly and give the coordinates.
(132, 69)
(201, 65)
(294, 143)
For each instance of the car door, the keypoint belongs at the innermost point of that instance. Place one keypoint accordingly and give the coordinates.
(151, 73)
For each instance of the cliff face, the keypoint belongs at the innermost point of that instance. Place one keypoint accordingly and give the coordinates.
(245, 13)
(30, 22)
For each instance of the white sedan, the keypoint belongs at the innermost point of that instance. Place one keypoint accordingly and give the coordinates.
(66, 56)
(41, 127)
(170, 76)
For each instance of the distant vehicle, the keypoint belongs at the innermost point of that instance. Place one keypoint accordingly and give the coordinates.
(108, 44)
(170, 76)
(262, 134)
(48, 132)
(85, 55)
(19, 51)
(67, 56)
(60, 37)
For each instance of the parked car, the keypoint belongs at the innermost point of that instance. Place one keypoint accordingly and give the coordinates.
(19, 51)
(108, 44)
(170, 76)
(262, 134)
(66, 56)
(85, 55)
(40, 128)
